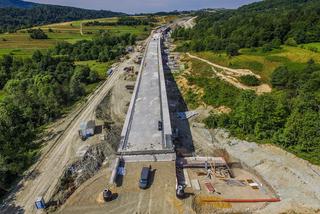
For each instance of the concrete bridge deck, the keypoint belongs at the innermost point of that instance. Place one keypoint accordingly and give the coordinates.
(149, 105)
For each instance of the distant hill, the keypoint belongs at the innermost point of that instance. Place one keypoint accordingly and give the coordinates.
(17, 14)
(16, 4)
(266, 22)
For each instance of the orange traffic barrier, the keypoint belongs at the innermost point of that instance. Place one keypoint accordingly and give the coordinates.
(235, 200)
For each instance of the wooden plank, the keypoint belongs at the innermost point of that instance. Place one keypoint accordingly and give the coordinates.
(195, 184)
(186, 177)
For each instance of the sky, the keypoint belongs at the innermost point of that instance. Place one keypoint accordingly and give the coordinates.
(142, 6)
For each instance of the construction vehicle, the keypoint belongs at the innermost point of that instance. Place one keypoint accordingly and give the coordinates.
(107, 195)
(180, 192)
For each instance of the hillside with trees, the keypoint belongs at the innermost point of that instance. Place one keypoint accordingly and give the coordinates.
(289, 116)
(270, 22)
(13, 19)
(16, 4)
(39, 89)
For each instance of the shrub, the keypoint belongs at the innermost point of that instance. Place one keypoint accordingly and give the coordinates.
(280, 77)
(37, 34)
(250, 80)
(232, 49)
(291, 42)
(266, 47)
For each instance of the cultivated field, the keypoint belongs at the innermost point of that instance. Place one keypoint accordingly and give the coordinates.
(20, 44)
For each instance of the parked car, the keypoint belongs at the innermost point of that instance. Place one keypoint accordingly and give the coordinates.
(144, 178)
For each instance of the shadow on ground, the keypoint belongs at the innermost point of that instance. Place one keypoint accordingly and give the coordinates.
(183, 142)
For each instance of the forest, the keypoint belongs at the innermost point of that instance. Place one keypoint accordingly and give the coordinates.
(104, 48)
(38, 90)
(289, 116)
(269, 22)
(13, 19)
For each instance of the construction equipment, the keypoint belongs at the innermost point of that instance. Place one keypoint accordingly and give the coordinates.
(107, 195)
(180, 192)
(130, 87)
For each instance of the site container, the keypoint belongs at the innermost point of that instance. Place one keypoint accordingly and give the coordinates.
(40, 204)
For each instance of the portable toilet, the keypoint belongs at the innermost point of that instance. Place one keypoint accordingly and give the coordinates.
(40, 204)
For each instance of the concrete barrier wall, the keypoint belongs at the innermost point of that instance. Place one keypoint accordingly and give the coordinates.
(167, 131)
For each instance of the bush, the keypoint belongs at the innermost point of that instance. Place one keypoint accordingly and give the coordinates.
(37, 34)
(250, 80)
(291, 42)
(232, 49)
(276, 43)
(280, 77)
(267, 47)
(313, 49)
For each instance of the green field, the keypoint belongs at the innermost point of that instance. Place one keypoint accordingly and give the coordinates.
(263, 63)
(315, 45)
(21, 45)
(100, 67)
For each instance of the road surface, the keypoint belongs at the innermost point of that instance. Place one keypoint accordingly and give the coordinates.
(149, 106)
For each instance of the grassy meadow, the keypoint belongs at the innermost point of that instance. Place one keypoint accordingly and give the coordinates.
(264, 63)
(100, 67)
(20, 44)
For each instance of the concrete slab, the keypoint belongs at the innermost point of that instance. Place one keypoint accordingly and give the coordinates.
(148, 107)
(144, 133)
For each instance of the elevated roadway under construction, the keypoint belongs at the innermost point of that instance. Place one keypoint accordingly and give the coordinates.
(141, 137)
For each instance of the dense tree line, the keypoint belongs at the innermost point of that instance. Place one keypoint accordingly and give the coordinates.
(266, 22)
(12, 19)
(131, 21)
(103, 48)
(38, 89)
(125, 20)
(288, 117)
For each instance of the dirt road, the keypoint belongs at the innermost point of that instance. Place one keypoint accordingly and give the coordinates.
(229, 75)
(65, 150)
(158, 198)
(190, 23)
